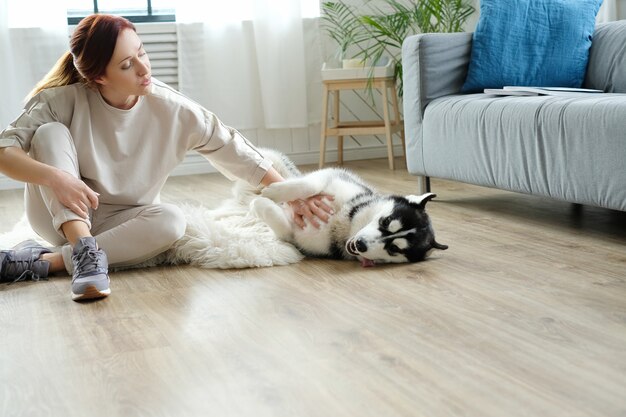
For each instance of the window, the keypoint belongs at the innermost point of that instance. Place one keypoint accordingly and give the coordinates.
(137, 11)
(163, 10)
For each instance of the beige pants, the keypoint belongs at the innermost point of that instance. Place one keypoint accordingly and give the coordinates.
(128, 234)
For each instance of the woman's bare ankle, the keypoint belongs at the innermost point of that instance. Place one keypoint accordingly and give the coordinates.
(74, 230)
(56, 261)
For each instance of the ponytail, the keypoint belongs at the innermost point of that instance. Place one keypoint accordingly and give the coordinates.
(62, 73)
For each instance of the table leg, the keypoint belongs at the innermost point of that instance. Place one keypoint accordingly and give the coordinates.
(387, 126)
(336, 109)
(324, 124)
(398, 118)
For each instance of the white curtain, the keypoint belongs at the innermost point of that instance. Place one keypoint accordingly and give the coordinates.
(244, 60)
(33, 35)
(607, 12)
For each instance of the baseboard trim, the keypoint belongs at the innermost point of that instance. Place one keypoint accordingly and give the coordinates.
(9, 184)
(194, 163)
(349, 154)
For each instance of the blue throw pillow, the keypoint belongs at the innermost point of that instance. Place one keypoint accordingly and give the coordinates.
(543, 43)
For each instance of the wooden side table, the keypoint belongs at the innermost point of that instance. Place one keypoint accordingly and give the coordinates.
(362, 127)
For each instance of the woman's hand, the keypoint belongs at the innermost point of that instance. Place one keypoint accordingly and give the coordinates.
(74, 193)
(312, 209)
(69, 190)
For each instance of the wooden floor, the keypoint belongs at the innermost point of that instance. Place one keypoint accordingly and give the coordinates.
(524, 315)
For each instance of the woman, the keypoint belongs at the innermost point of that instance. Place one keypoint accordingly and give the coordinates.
(95, 144)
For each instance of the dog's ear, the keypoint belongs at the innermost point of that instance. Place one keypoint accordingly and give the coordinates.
(438, 245)
(420, 200)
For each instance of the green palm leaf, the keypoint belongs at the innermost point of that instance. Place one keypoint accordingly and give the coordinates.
(382, 31)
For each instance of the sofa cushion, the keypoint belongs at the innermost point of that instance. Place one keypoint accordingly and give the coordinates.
(531, 43)
(556, 146)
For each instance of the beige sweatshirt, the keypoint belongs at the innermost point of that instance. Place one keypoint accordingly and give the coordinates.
(126, 155)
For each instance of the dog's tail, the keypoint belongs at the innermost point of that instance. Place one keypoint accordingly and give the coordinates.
(281, 163)
(244, 192)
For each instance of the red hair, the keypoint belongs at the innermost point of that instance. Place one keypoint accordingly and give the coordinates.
(91, 48)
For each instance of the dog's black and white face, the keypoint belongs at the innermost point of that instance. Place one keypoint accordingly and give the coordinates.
(399, 232)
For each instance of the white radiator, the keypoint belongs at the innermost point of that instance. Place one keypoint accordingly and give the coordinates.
(161, 44)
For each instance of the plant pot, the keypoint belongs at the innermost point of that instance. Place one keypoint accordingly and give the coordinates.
(353, 63)
(330, 73)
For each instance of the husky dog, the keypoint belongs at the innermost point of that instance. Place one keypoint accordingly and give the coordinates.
(366, 226)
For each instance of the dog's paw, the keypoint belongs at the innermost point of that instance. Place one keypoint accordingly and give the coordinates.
(260, 207)
(272, 214)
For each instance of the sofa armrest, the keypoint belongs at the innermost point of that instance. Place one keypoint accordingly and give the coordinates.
(607, 58)
(433, 65)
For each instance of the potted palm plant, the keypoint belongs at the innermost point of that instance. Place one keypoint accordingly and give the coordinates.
(344, 29)
(381, 30)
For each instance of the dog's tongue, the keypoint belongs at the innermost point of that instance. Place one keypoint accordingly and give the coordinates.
(366, 263)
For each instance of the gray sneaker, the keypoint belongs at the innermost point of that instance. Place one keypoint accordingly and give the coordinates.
(90, 278)
(22, 263)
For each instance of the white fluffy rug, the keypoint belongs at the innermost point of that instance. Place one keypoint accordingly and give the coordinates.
(226, 237)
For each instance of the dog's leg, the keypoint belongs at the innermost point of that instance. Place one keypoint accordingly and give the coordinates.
(295, 188)
(268, 211)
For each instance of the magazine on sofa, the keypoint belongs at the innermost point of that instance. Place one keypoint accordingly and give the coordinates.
(539, 91)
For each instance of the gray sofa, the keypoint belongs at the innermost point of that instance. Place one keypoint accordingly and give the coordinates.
(568, 148)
